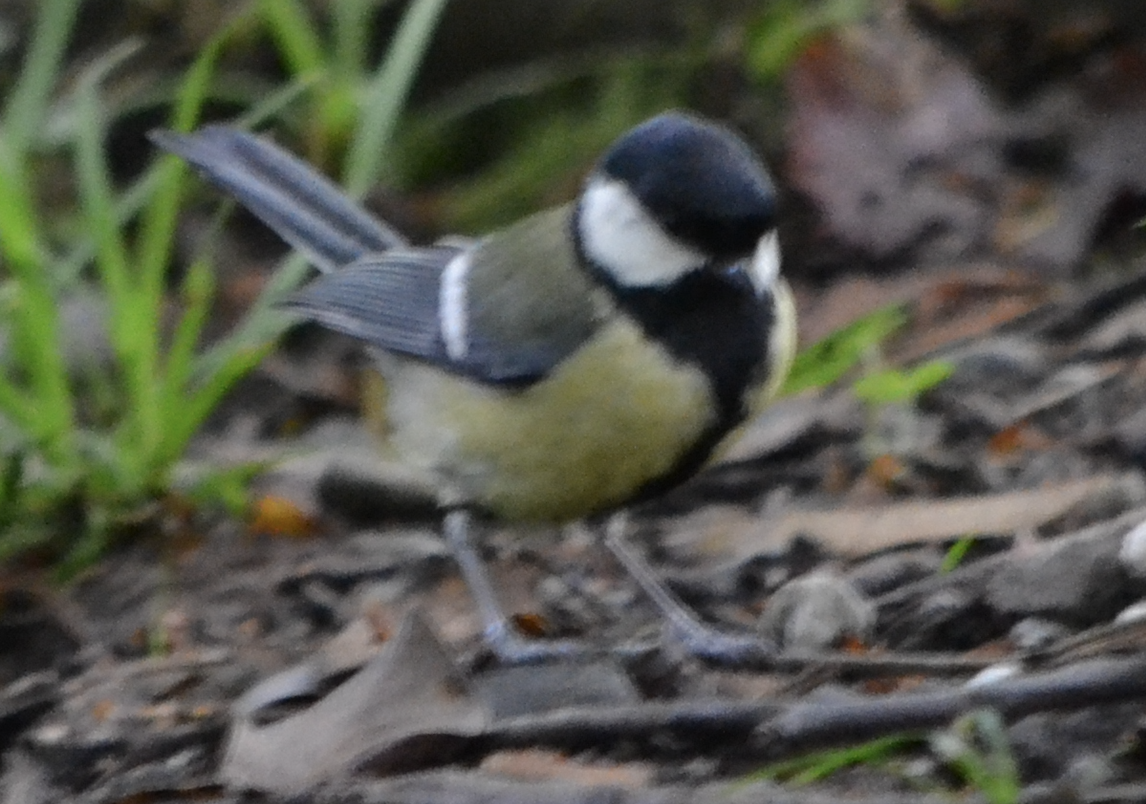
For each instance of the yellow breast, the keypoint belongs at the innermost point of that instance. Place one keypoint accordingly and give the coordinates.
(617, 414)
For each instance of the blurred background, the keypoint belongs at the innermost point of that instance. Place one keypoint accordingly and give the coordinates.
(904, 132)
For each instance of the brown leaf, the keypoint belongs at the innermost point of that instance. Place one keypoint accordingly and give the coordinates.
(857, 531)
(405, 705)
(278, 516)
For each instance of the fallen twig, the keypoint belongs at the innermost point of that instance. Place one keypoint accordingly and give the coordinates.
(782, 729)
(818, 724)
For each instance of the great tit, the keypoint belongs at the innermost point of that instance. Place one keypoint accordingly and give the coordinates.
(584, 358)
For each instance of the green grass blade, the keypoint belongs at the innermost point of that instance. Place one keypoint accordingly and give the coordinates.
(130, 202)
(295, 35)
(273, 104)
(383, 103)
(786, 27)
(24, 113)
(386, 95)
(977, 747)
(902, 385)
(11, 479)
(199, 404)
(219, 367)
(45, 410)
(818, 765)
(827, 360)
(956, 553)
(20, 242)
(134, 316)
(97, 202)
(157, 230)
(21, 409)
(351, 36)
(197, 292)
(167, 375)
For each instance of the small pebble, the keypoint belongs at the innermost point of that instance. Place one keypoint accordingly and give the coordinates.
(993, 675)
(1035, 633)
(1135, 612)
(816, 611)
(1133, 552)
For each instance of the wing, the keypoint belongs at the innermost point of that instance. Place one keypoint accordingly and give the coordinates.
(389, 301)
(304, 207)
(503, 312)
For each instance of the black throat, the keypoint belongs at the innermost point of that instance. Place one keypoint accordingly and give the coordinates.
(713, 321)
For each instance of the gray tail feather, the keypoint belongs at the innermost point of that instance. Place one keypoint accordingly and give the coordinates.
(305, 208)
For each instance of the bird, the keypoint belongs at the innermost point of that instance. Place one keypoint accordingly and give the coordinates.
(571, 364)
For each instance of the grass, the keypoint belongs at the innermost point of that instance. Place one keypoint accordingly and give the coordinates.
(901, 386)
(353, 107)
(857, 344)
(956, 553)
(834, 356)
(75, 468)
(88, 450)
(819, 765)
(974, 748)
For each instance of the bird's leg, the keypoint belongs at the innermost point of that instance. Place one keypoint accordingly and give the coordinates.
(497, 630)
(698, 638)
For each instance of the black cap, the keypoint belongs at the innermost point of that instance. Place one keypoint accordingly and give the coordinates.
(700, 181)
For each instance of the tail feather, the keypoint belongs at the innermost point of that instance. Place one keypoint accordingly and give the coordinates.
(305, 208)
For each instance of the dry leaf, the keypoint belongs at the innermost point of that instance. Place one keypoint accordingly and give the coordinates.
(406, 704)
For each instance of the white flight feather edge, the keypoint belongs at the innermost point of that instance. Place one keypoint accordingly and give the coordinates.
(453, 299)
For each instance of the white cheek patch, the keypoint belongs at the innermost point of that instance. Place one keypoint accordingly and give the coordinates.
(452, 303)
(621, 239)
(766, 263)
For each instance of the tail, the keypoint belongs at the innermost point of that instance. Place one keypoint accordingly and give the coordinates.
(305, 208)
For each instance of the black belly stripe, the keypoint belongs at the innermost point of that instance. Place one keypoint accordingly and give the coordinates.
(716, 322)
